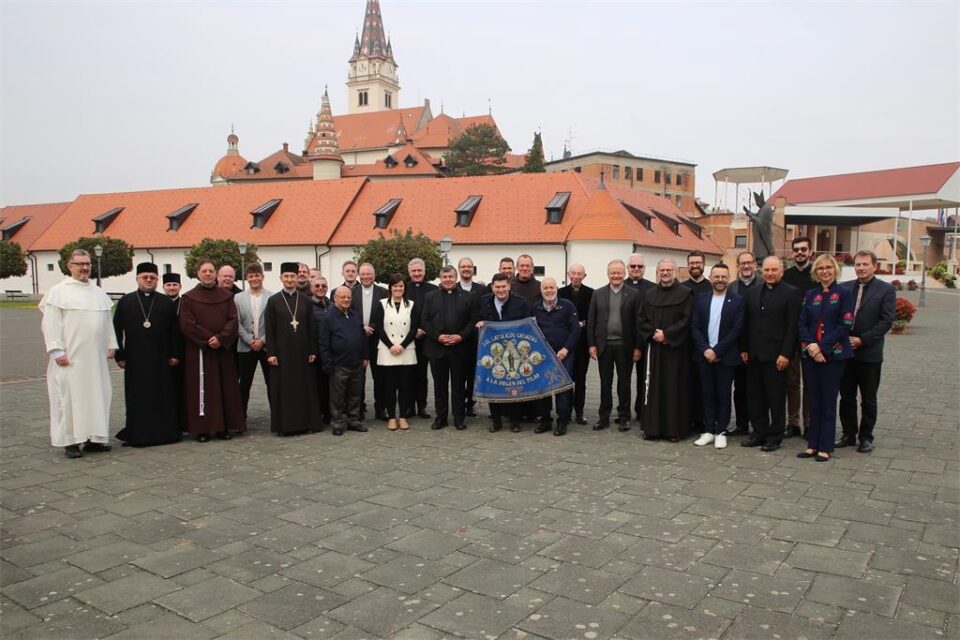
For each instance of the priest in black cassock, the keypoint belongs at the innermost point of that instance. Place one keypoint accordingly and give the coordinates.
(664, 324)
(147, 330)
(291, 351)
(171, 287)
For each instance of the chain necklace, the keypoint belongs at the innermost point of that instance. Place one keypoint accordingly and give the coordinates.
(293, 313)
(146, 314)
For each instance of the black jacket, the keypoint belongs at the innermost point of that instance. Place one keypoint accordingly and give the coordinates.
(515, 308)
(874, 317)
(599, 313)
(770, 322)
(447, 312)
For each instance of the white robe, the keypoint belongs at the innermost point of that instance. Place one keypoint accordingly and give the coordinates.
(77, 322)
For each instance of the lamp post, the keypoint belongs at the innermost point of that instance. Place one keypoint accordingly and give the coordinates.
(924, 243)
(446, 243)
(98, 251)
(243, 267)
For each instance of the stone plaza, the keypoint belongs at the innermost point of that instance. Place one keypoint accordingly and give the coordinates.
(429, 534)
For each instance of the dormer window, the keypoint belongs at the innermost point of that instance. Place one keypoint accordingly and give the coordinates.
(261, 215)
(383, 215)
(466, 210)
(251, 168)
(390, 162)
(409, 162)
(281, 168)
(669, 220)
(101, 222)
(693, 226)
(557, 206)
(11, 229)
(176, 219)
(644, 217)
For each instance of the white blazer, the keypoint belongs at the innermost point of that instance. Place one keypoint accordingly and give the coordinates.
(396, 325)
(245, 318)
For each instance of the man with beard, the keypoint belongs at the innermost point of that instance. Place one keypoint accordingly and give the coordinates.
(226, 279)
(145, 323)
(318, 286)
(746, 280)
(503, 306)
(416, 291)
(665, 325)
(476, 289)
(208, 320)
(715, 332)
(560, 324)
(343, 354)
(636, 267)
(767, 343)
(291, 350)
(171, 288)
(525, 284)
(800, 275)
(251, 345)
(79, 339)
(580, 295)
(697, 283)
(303, 278)
(365, 299)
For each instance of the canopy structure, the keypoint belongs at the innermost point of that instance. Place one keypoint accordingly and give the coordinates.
(745, 175)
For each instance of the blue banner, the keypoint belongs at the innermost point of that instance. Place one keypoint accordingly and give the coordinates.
(515, 363)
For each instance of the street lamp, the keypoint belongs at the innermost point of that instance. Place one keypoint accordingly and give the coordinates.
(243, 266)
(98, 251)
(924, 243)
(446, 243)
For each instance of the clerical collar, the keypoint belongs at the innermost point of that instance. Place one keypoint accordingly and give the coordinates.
(290, 292)
(748, 282)
(771, 286)
(697, 281)
(145, 293)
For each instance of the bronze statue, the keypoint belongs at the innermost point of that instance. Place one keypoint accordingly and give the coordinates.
(762, 228)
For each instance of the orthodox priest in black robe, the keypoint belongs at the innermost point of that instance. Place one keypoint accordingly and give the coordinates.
(291, 351)
(664, 324)
(171, 287)
(145, 323)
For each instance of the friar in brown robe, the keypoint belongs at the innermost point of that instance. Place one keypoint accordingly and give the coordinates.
(208, 320)
(664, 324)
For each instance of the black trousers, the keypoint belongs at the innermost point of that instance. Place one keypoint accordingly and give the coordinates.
(469, 372)
(323, 394)
(767, 397)
(448, 379)
(509, 410)
(740, 397)
(346, 387)
(864, 376)
(715, 381)
(397, 382)
(581, 364)
(420, 380)
(619, 357)
(247, 366)
(641, 372)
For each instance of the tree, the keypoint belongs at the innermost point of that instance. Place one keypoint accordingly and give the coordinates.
(221, 252)
(391, 255)
(478, 151)
(117, 258)
(534, 161)
(13, 262)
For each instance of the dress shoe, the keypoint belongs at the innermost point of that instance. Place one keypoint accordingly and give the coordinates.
(357, 427)
(381, 416)
(808, 453)
(846, 441)
(392, 424)
(623, 427)
(224, 435)
(438, 424)
(338, 431)
(471, 412)
(72, 451)
(516, 428)
(581, 420)
(95, 447)
(203, 437)
(739, 431)
(865, 446)
(794, 432)
(600, 426)
(423, 414)
(773, 446)
(561, 428)
(543, 427)
(459, 425)
(751, 442)
(403, 424)
(822, 457)
(495, 427)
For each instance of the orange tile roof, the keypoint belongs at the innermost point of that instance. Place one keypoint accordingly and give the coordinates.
(376, 129)
(440, 131)
(515, 161)
(425, 165)
(228, 165)
(886, 183)
(41, 217)
(297, 167)
(309, 213)
(604, 218)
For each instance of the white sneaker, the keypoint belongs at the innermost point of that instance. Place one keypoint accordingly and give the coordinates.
(720, 442)
(705, 438)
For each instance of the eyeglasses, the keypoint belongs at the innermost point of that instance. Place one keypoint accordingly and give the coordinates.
(637, 266)
(82, 265)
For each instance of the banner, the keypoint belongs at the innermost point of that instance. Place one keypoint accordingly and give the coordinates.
(515, 363)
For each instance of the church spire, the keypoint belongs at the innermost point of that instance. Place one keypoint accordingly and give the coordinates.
(372, 80)
(324, 152)
(373, 42)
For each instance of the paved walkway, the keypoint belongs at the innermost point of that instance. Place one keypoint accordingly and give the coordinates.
(431, 534)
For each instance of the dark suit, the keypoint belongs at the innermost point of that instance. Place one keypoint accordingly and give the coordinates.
(581, 300)
(769, 331)
(717, 377)
(641, 286)
(514, 308)
(448, 312)
(617, 355)
(871, 322)
(418, 293)
(356, 303)
(738, 286)
(477, 291)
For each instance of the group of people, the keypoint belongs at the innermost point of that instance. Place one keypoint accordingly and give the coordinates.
(686, 343)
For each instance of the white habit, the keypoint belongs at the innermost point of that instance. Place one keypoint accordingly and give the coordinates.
(77, 322)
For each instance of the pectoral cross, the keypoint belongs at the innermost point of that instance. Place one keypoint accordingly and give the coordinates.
(294, 324)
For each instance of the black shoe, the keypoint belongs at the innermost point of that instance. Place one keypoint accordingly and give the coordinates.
(543, 427)
(459, 426)
(794, 432)
(471, 412)
(203, 437)
(623, 427)
(438, 424)
(581, 420)
(515, 428)
(357, 427)
(72, 451)
(846, 441)
(803, 455)
(338, 431)
(560, 429)
(423, 414)
(95, 447)
(495, 427)
(739, 431)
(381, 416)
(224, 435)
(823, 457)
(865, 446)
(751, 442)
(773, 446)
(600, 426)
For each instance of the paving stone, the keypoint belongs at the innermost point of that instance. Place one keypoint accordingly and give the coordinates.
(743, 529)
(180, 559)
(320, 628)
(428, 543)
(293, 605)
(382, 612)
(505, 547)
(14, 617)
(492, 578)
(50, 587)
(79, 623)
(672, 530)
(592, 553)
(759, 623)
(822, 613)
(207, 599)
(252, 565)
(765, 557)
(933, 594)
(827, 560)
(855, 594)
(865, 625)
(358, 540)
(761, 591)
(475, 616)
(578, 582)
(108, 556)
(921, 615)
(120, 595)
(658, 620)
(447, 520)
(825, 535)
(782, 509)
(669, 587)
(622, 603)
(562, 618)
(11, 574)
(889, 536)
(408, 574)
(328, 569)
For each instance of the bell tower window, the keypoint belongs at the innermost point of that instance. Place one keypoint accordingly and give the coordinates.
(363, 98)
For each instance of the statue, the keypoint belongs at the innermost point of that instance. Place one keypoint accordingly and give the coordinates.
(762, 228)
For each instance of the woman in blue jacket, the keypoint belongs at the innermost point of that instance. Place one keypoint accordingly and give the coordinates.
(824, 328)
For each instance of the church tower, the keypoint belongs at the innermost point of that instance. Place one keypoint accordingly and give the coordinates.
(322, 149)
(372, 80)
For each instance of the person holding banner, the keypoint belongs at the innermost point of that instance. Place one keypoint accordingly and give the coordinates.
(503, 306)
(560, 324)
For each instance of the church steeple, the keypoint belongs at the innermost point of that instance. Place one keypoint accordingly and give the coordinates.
(372, 81)
(323, 151)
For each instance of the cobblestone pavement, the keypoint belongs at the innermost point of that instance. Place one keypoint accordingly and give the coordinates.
(430, 534)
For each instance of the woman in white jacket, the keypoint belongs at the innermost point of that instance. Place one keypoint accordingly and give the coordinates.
(396, 320)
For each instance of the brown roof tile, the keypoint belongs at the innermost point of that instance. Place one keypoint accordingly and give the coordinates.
(41, 217)
(868, 184)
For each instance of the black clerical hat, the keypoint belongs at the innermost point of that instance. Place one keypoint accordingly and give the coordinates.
(147, 267)
(171, 277)
(289, 267)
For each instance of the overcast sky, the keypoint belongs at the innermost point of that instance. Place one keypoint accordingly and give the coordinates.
(128, 96)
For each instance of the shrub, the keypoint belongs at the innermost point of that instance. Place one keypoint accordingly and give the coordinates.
(912, 285)
(897, 284)
(905, 310)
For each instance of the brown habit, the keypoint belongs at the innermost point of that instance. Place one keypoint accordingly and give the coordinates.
(207, 312)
